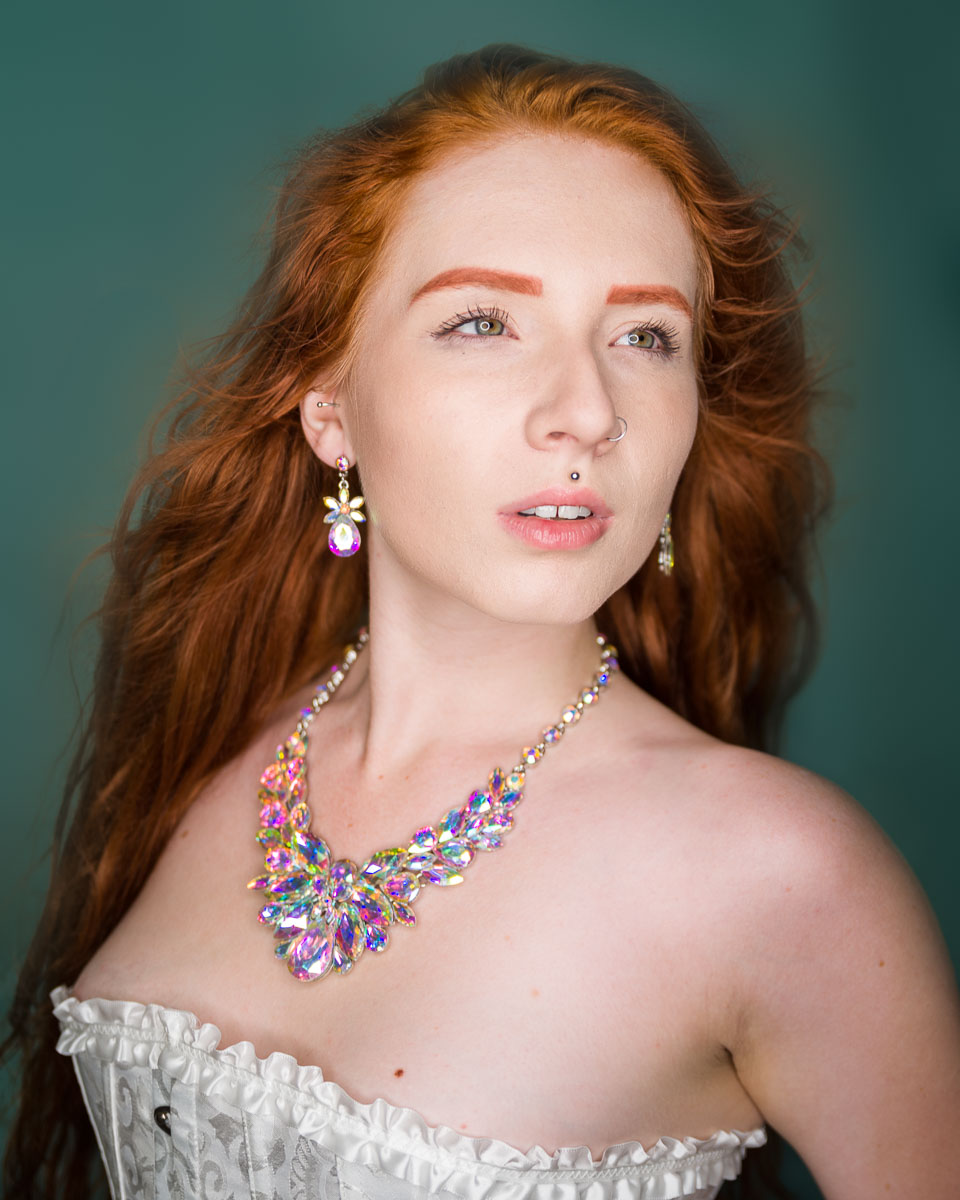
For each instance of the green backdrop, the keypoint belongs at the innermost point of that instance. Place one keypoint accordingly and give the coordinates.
(142, 149)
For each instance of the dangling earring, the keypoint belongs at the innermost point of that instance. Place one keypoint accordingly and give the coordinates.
(665, 558)
(344, 538)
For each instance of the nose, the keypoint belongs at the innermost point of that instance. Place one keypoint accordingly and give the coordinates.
(575, 409)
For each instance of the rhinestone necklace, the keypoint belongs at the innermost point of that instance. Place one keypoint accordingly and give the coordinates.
(325, 913)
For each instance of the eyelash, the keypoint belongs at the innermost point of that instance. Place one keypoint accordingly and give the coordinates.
(667, 334)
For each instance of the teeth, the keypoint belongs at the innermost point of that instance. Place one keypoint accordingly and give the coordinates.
(565, 512)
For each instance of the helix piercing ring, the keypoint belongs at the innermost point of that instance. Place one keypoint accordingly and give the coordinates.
(327, 404)
(619, 435)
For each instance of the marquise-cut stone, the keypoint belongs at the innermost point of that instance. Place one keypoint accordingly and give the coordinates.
(420, 862)
(450, 825)
(295, 920)
(375, 909)
(472, 826)
(425, 838)
(343, 875)
(313, 850)
(342, 962)
(269, 837)
(350, 931)
(495, 782)
(443, 876)
(258, 883)
(404, 913)
(282, 949)
(376, 938)
(270, 913)
(384, 861)
(289, 885)
(480, 802)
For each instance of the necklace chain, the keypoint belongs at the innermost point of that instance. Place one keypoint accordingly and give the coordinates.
(326, 912)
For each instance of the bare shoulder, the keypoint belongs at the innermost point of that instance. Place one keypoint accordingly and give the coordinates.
(847, 1013)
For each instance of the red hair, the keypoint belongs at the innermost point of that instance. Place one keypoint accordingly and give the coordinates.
(221, 605)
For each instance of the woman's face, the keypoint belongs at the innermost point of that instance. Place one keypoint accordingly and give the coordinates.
(531, 291)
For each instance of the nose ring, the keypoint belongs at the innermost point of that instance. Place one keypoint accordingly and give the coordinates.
(619, 435)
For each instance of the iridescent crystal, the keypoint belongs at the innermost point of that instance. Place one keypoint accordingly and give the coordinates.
(350, 931)
(457, 853)
(344, 537)
(313, 851)
(480, 802)
(376, 938)
(342, 876)
(442, 876)
(300, 815)
(278, 860)
(403, 886)
(449, 827)
(326, 913)
(294, 920)
(425, 838)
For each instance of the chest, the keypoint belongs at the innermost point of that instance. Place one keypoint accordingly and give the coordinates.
(554, 997)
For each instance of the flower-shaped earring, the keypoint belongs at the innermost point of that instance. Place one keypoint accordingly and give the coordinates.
(344, 538)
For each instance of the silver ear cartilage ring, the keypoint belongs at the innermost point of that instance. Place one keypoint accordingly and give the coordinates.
(619, 435)
(327, 404)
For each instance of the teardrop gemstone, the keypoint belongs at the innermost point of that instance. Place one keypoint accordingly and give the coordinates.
(344, 537)
(312, 955)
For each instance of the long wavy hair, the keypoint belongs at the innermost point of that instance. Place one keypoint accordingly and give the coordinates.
(220, 604)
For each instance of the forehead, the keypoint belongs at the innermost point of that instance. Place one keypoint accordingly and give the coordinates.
(571, 210)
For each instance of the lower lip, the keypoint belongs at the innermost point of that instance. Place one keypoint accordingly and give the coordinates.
(555, 534)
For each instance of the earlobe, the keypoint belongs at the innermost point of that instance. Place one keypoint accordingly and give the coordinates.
(323, 427)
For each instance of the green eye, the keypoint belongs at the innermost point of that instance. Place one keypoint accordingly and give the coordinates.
(642, 338)
(488, 325)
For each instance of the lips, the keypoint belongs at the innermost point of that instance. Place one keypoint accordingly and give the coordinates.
(576, 497)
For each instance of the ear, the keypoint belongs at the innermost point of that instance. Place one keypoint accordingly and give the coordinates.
(323, 427)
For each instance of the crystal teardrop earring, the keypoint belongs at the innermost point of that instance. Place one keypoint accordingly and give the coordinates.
(344, 538)
(665, 558)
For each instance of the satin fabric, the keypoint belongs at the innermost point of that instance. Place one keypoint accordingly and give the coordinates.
(270, 1129)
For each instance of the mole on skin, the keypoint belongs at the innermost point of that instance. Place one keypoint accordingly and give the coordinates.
(398, 1072)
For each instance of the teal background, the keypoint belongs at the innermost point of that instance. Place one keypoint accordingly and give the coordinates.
(142, 148)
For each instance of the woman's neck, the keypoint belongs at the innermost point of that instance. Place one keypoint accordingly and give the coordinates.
(432, 679)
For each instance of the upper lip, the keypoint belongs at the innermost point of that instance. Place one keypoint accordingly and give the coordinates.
(562, 495)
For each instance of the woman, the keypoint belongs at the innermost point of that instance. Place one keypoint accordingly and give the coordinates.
(519, 331)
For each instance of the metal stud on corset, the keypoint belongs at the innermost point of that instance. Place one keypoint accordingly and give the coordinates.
(325, 912)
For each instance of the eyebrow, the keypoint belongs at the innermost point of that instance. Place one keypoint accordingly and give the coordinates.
(530, 285)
